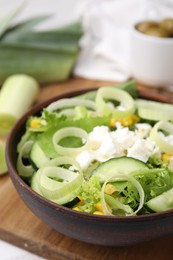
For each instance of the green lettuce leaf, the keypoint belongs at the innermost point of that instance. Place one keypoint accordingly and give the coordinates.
(90, 194)
(154, 181)
(45, 139)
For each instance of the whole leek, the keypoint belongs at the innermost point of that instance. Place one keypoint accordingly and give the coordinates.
(48, 56)
(16, 96)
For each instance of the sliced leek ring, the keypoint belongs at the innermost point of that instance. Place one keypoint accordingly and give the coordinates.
(159, 139)
(56, 183)
(109, 202)
(70, 102)
(126, 102)
(154, 110)
(66, 132)
(25, 170)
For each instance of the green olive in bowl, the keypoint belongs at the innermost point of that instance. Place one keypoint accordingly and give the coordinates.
(147, 25)
(162, 28)
(167, 24)
(157, 31)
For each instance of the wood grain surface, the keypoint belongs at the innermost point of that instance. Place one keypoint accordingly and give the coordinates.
(20, 227)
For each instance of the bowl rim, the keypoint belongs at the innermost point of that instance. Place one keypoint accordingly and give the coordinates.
(65, 210)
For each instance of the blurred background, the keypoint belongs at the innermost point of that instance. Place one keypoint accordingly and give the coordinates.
(62, 11)
(104, 46)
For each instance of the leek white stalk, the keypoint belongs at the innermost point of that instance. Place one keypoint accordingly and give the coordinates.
(16, 96)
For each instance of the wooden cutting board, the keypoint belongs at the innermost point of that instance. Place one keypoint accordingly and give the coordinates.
(20, 227)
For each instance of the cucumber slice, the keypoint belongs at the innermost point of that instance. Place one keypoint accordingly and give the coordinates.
(162, 202)
(117, 166)
(3, 166)
(38, 156)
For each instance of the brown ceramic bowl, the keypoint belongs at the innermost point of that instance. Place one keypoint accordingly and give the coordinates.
(95, 229)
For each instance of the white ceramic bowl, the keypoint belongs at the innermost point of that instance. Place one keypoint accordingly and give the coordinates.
(151, 59)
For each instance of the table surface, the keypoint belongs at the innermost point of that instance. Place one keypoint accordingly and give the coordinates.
(20, 227)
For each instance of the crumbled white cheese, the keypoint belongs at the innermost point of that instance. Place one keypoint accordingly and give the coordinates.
(101, 143)
(141, 150)
(118, 125)
(84, 159)
(123, 139)
(104, 144)
(143, 129)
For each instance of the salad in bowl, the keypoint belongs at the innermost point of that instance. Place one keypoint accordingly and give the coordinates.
(106, 152)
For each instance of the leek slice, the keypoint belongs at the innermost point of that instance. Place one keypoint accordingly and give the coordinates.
(66, 132)
(111, 203)
(69, 112)
(58, 184)
(153, 110)
(158, 137)
(126, 102)
(16, 96)
(71, 102)
(25, 170)
(129, 86)
(3, 166)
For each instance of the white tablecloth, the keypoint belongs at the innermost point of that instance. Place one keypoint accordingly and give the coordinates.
(10, 252)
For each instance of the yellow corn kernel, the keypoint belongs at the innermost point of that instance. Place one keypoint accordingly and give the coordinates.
(125, 152)
(112, 122)
(135, 118)
(35, 123)
(99, 206)
(109, 189)
(81, 202)
(98, 212)
(166, 157)
(77, 209)
(127, 121)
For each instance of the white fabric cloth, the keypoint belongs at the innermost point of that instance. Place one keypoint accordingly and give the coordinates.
(10, 252)
(105, 46)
